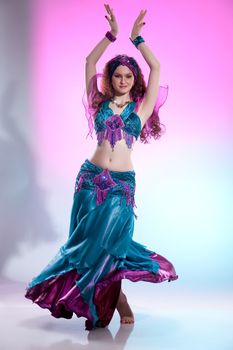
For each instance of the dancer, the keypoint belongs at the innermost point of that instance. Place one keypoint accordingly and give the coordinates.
(85, 275)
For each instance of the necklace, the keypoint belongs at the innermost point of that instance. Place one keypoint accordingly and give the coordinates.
(119, 105)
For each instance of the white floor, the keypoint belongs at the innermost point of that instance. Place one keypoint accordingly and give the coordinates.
(166, 317)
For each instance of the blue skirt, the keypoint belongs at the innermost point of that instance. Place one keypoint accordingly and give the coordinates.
(85, 275)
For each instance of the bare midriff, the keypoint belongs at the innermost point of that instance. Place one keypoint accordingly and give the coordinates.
(118, 159)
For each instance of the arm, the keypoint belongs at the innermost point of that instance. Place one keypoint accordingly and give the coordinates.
(99, 49)
(150, 97)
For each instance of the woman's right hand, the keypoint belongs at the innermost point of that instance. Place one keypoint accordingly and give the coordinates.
(111, 20)
(138, 24)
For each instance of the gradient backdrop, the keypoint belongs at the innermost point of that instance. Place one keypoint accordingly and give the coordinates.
(184, 181)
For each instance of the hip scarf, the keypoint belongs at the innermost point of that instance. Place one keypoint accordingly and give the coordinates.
(104, 182)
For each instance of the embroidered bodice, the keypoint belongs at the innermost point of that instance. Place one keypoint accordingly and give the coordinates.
(115, 127)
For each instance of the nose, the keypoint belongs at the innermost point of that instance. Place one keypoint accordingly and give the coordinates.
(122, 80)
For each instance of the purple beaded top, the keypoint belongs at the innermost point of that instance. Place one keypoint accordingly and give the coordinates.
(113, 130)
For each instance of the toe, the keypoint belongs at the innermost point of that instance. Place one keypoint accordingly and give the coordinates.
(127, 320)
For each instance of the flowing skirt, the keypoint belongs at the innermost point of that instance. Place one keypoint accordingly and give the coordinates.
(85, 275)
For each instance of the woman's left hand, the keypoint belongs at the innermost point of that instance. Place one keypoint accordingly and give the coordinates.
(111, 19)
(138, 24)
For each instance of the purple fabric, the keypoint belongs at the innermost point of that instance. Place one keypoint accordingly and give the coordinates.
(114, 125)
(103, 183)
(87, 102)
(101, 136)
(114, 132)
(110, 36)
(62, 297)
(129, 138)
(123, 60)
(166, 272)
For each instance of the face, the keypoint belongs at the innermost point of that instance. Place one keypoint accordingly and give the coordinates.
(122, 80)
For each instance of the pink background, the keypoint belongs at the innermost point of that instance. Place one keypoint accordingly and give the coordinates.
(184, 181)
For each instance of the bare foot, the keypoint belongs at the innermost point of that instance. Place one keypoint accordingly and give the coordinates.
(124, 310)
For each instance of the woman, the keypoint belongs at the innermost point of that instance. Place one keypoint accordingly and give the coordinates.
(85, 276)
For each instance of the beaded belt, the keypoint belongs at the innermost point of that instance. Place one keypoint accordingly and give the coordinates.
(105, 182)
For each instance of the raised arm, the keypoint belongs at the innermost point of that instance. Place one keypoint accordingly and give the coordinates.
(96, 53)
(150, 97)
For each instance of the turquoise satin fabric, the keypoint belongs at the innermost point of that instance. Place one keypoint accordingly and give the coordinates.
(100, 239)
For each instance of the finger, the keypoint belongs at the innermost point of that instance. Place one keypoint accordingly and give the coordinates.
(107, 8)
(111, 12)
(139, 15)
(142, 14)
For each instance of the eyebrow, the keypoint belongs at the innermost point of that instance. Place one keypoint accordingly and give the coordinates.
(124, 74)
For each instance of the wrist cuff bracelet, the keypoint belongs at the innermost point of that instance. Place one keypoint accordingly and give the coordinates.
(110, 36)
(138, 40)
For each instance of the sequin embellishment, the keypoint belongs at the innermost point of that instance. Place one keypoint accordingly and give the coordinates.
(103, 183)
(113, 131)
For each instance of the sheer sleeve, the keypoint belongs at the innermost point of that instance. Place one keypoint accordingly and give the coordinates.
(87, 100)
